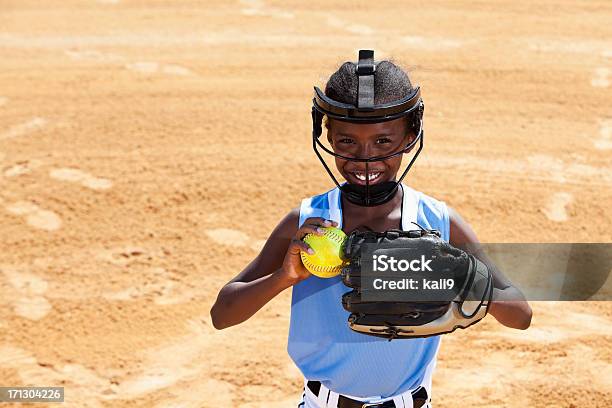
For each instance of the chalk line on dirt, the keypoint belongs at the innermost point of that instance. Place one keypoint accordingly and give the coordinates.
(79, 176)
(21, 129)
(556, 209)
(35, 216)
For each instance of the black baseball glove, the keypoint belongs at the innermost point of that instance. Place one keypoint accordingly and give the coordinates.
(409, 284)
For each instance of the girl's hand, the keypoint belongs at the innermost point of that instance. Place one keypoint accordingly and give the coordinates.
(293, 270)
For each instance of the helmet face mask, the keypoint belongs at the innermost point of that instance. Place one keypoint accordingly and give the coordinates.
(366, 112)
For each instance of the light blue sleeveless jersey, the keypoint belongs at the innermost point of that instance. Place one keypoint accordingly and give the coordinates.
(320, 341)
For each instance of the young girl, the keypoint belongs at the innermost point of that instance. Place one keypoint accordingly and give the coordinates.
(373, 117)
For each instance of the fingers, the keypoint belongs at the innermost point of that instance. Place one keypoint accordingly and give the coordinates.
(309, 229)
(298, 245)
(314, 225)
(321, 222)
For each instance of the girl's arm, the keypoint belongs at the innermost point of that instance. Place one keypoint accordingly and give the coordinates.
(277, 267)
(509, 306)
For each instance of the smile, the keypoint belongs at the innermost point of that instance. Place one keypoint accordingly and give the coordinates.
(372, 176)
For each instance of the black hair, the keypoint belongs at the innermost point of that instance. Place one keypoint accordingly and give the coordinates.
(391, 83)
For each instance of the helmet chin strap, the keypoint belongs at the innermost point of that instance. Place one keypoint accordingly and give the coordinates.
(367, 179)
(377, 194)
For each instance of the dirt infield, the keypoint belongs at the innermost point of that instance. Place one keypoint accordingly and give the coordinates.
(148, 148)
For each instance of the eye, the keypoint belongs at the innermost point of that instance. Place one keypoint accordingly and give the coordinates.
(383, 140)
(345, 140)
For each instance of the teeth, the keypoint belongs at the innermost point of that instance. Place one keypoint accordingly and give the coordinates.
(371, 176)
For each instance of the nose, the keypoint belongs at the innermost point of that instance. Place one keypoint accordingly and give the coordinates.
(363, 151)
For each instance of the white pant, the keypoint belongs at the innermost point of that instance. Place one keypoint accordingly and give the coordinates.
(329, 399)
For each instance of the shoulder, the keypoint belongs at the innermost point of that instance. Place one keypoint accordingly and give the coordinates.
(288, 226)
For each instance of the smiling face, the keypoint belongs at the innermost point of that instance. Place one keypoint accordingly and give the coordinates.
(366, 141)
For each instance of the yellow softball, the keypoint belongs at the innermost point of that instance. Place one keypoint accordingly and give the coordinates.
(327, 261)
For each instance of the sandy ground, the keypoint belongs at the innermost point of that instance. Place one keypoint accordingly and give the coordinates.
(147, 150)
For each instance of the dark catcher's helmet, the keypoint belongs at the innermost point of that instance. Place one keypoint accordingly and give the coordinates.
(365, 111)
